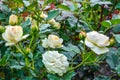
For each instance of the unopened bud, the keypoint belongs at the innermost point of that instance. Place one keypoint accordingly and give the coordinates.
(34, 26)
(52, 21)
(28, 50)
(2, 29)
(43, 15)
(112, 41)
(82, 34)
(57, 25)
(13, 19)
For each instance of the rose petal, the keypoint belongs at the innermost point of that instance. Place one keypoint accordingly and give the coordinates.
(9, 44)
(88, 43)
(99, 50)
(25, 36)
(45, 43)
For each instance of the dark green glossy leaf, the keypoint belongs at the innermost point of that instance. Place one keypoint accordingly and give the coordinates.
(112, 58)
(117, 37)
(117, 6)
(69, 75)
(53, 77)
(52, 14)
(26, 26)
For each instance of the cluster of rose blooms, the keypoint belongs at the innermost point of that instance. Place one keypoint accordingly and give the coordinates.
(54, 62)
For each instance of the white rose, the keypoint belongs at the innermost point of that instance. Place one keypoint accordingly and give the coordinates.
(97, 42)
(13, 19)
(55, 62)
(13, 34)
(53, 41)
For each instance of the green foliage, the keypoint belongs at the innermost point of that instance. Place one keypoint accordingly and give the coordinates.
(24, 59)
(52, 14)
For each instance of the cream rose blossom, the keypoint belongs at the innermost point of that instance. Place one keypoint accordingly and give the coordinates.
(53, 41)
(97, 42)
(55, 62)
(13, 34)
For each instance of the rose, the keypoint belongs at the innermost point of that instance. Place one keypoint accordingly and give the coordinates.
(97, 42)
(13, 19)
(13, 34)
(53, 41)
(55, 62)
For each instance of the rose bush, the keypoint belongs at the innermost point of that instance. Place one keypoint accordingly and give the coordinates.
(63, 40)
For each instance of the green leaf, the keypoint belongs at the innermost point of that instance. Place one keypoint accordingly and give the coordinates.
(52, 14)
(69, 54)
(26, 3)
(106, 24)
(53, 77)
(43, 27)
(117, 6)
(3, 60)
(17, 67)
(116, 28)
(2, 16)
(64, 7)
(28, 78)
(112, 58)
(69, 75)
(71, 47)
(26, 26)
(51, 1)
(32, 72)
(102, 78)
(115, 21)
(118, 69)
(4, 7)
(117, 37)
